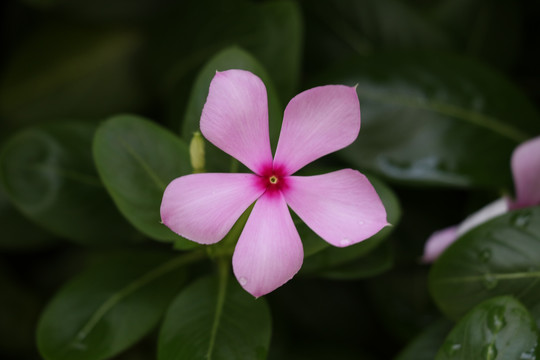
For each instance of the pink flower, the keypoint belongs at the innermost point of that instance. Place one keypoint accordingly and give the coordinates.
(342, 207)
(526, 172)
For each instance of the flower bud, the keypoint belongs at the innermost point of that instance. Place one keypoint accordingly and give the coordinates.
(196, 152)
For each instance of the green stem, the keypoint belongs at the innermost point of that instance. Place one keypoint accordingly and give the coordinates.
(223, 278)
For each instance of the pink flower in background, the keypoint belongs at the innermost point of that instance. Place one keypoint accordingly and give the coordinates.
(526, 172)
(342, 207)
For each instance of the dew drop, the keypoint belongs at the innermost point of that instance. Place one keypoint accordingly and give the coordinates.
(489, 352)
(345, 242)
(529, 355)
(452, 349)
(495, 319)
(361, 222)
(485, 255)
(490, 281)
(242, 281)
(522, 219)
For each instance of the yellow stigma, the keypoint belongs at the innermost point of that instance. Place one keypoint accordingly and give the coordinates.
(273, 179)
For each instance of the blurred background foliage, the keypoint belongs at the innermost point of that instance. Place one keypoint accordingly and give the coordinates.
(448, 88)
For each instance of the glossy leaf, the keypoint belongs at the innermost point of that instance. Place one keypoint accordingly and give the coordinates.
(49, 175)
(82, 73)
(499, 257)
(136, 159)
(230, 58)
(218, 321)
(321, 256)
(436, 119)
(426, 345)
(498, 328)
(110, 306)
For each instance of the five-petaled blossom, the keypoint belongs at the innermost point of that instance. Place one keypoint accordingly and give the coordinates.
(525, 165)
(342, 207)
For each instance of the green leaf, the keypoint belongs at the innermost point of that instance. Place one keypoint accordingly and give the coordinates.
(436, 119)
(82, 72)
(230, 58)
(499, 257)
(426, 345)
(49, 175)
(136, 160)
(317, 260)
(110, 306)
(498, 328)
(215, 320)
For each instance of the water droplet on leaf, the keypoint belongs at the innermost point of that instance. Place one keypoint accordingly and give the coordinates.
(496, 320)
(489, 352)
(490, 281)
(522, 219)
(452, 349)
(485, 255)
(529, 355)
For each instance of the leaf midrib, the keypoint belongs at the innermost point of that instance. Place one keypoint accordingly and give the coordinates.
(130, 288)
(498, 276)
(147, 168)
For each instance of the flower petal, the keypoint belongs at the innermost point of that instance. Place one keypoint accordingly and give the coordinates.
(235, 118)
(269, 252)
(204, 207)
(342, 207)
(317, 122)
(526, 171)
(488, 212)
(438, 242)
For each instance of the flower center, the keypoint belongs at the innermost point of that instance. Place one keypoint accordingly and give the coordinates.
(273, 179)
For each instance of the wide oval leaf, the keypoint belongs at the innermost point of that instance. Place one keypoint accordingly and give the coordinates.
(110, 306)
(49, 175)
(435, 118)
(136, 160)
(497, 329)
(213, 320)
(499, 257)
(230, 58)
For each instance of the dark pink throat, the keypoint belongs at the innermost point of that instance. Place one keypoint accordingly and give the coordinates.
(273, 179)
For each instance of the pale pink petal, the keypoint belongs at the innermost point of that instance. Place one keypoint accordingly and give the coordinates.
(342, 207)
(438, 242)
(269, 252)
(235, 118)
(488, 212)
(204, 207)
(317, 122)
(526, 171)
